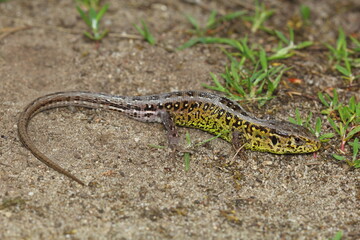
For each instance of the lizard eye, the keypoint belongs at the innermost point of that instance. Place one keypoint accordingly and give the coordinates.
(297, 140)
(274, 140)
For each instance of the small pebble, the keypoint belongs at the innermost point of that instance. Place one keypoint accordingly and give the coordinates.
(267, 163)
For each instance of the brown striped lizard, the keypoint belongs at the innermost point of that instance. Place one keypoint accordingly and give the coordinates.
(206, 111)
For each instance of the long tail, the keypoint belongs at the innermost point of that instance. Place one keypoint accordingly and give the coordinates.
(55, 100)
(29, 112)
(121, 104)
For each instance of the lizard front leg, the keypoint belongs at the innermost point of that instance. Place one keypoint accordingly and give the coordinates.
(238, 141)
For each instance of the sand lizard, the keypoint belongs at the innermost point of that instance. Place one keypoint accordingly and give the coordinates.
(206, 111)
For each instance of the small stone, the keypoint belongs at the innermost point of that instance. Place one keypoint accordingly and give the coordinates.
(267, 163)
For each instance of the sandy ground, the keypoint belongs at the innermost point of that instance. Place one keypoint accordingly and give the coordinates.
(137, 191)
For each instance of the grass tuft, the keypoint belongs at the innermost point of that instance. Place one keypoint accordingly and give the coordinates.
(145, 32)
(92, 18)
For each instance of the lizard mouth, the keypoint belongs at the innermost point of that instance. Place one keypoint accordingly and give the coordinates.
(313, 147)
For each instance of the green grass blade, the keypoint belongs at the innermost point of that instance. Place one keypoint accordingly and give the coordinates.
(246, 50)
(322, 99)
(157, 146)
(187, 161)
(102, 12)
(356, 163)
(352, 104)
(89, 36)
(210, 40)
(103, 34)
(338, 157)
(211, 139)
(188, 138)
(147, 34)
(292, 120)
(356, 43)
(142, 32)
(263, 59)
(304, 44)
(84, 16)
(326, 137)
(334, 126)
(318, 126)
(193, 22)
(305, 13)
(342, 70)
(211, 20)
(338, 236)
(219, 86)
(189, 43)
(233, 15)
(352, 133)
(291, 35)
(92, 18)
(282, 37)
(341, 42)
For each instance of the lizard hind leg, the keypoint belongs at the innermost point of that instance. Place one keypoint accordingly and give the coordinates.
(172, 133)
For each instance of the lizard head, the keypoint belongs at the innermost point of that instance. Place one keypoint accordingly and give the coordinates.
(283, 137)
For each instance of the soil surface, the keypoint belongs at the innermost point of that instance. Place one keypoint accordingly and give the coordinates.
(140, 192)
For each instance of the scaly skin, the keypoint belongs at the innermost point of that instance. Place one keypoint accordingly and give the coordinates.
(206, 111)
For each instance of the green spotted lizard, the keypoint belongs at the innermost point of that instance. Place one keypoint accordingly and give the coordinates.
(206, 111)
